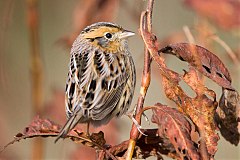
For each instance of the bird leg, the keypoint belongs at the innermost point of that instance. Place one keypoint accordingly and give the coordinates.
(146, 118)
(88, 133)
(133, 113)
(139, 127)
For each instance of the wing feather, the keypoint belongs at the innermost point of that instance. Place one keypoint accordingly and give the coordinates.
(108, 102)
(77, 76)
(96, 83)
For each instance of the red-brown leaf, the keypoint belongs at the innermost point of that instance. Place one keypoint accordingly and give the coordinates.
(201, 110)
(37, 128)
(47, 128)
(146, 146)
(111, 133)
(228, 116)
(203, 60)
(174, 126)
(41, 126)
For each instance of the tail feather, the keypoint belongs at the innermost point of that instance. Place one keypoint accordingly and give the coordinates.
(70, 124)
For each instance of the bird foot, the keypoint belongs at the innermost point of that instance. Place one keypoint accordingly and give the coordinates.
(139, 127)
(132, 113)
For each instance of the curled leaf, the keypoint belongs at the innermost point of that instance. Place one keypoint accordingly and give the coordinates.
(37, 128)
(202, 60)
(153, 145)
(200, 109)
(146, 146)
(173, 125)
(47, 128)
(228, 116)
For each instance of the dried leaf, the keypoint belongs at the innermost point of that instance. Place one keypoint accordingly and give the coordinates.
(153, 145)
(203, 60)
(37, 128)
(228, 116)
(226, 13)
(200, 109)
(119, 150)
(174, 126)
(46, 128)
(146, 146)
(40, 126)
(111, 133)
(152, 44)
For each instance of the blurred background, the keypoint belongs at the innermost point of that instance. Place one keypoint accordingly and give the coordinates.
(35, 41)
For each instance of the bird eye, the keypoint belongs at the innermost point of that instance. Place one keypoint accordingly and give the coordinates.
(108, 35)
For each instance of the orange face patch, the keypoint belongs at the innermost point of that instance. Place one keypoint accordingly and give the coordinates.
(100, 32)
(113, 46)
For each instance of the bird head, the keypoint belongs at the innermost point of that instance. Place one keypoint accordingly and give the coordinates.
(108, 36)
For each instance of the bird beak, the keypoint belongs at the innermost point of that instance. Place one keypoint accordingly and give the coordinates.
(126, 34)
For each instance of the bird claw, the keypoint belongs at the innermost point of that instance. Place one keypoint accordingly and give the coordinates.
(131, 115)
(146, 118)
(139, 127)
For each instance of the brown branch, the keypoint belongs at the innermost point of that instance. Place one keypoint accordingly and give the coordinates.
(76, 138)
(171, 80)
(188, 34)
(36, 70)
(43, 128)
(229, 51)
(146, 78)
(151, 44)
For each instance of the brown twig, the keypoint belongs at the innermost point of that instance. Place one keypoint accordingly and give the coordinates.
(188, 34)
(146, 78)
(75, 138)
(229, 51)
(36, 71)
(43, 128)
(152, 45)
(171, 78)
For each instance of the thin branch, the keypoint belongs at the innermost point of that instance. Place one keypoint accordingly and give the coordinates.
(149, 15)
(151, 43)
(146, 78)
(188, 34)
(229, 51)
(74, 138)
